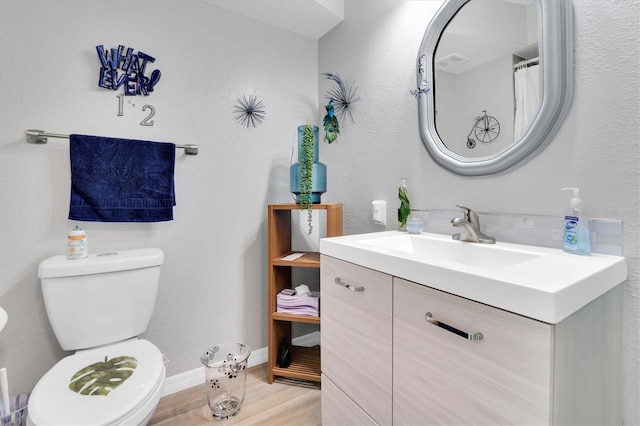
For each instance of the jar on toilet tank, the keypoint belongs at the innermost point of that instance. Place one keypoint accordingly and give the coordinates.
(77, 244)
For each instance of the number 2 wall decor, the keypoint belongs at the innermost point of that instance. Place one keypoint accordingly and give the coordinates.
(122, 67)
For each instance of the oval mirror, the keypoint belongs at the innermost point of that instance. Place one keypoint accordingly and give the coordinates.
(494, 82)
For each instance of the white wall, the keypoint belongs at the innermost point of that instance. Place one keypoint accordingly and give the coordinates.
(596, 148)
(214, 281)
(213, 284)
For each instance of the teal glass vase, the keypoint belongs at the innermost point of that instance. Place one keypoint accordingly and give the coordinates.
(318, 170)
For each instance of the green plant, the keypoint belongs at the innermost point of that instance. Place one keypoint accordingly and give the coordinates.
(405, 209)
(306, 173)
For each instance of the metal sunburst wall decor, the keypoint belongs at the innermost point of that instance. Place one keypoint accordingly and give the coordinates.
(249, 111)
(342, 95)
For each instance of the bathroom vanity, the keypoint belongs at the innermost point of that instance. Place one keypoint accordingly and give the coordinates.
(426, 330)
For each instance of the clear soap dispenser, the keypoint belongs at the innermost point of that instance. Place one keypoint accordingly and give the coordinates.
(576, 227)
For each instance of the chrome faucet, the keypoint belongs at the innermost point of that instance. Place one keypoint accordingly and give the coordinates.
(470, 228)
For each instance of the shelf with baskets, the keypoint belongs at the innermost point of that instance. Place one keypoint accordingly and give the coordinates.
(305, 361)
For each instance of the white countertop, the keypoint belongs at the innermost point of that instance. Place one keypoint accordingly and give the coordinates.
(538, 282)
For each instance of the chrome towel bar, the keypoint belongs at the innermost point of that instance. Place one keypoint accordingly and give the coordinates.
(40, 137)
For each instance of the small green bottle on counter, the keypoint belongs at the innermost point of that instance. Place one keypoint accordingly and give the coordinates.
(405, 209)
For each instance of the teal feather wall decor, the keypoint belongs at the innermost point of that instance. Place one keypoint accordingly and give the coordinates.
(330, 123)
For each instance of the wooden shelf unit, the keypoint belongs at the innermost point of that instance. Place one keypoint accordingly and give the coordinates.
(305, 362)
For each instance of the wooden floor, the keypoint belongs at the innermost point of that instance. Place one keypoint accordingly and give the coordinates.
(264, 404)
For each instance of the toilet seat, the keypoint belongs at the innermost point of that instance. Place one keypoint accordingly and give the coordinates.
(52, 402)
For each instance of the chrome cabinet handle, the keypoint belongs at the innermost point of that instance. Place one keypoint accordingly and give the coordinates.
(469, 336)
(349, 286)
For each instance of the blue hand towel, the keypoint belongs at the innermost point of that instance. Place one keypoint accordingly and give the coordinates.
(121, 180)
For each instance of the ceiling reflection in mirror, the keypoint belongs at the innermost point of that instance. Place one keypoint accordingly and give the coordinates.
(487, 79)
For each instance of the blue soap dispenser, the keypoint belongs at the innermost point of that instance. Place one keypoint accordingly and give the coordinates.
(576, 227)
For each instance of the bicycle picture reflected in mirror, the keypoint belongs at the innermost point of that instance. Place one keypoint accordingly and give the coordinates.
(485, 129)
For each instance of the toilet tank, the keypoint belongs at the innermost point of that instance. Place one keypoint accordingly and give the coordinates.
(101, 299)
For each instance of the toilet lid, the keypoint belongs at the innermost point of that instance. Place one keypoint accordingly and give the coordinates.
(54, 402)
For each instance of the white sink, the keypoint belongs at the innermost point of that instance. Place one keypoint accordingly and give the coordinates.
(486, 256)
(541, 283)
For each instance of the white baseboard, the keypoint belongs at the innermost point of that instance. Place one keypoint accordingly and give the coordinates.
(195, 377)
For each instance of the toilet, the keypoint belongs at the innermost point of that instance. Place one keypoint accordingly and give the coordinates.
(97, 306)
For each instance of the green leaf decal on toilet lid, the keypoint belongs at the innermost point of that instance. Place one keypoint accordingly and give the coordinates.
(103, 377)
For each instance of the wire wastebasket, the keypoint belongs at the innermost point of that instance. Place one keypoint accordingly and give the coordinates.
(225, 367)
(16, 413)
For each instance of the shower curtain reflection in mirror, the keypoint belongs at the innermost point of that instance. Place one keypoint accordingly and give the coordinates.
(527, 96)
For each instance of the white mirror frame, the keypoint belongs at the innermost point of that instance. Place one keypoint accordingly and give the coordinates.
(556, 53)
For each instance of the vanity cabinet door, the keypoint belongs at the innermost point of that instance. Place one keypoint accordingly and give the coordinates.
(440, 377)
(338, 409)
(356, 337)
